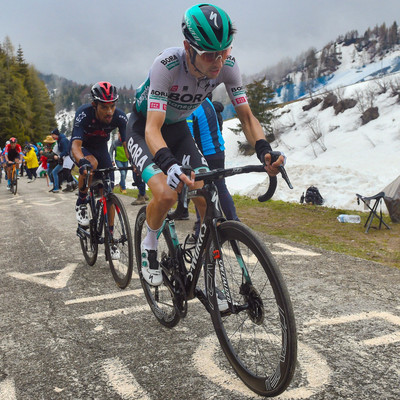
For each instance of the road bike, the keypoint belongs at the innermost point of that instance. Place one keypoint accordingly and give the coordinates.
(243, 290)
(14, 178)
(108, 225)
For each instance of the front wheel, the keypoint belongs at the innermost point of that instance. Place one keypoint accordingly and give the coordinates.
(14, 182)
(257, 333)
(118, 242)
(161, 298)
(88, 240)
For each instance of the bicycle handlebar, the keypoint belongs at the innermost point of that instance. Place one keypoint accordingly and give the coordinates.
(220, 173)
(102, 171)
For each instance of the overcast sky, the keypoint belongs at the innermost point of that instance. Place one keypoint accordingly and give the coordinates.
(91, 40)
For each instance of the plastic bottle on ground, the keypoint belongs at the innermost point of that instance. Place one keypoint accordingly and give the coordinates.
(353, 219)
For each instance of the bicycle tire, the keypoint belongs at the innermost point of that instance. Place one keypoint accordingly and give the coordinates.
(260, 342)
(89, 245)
(160, 298)
(121, 240)
(14, 183)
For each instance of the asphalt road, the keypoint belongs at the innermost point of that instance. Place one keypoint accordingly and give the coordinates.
(68, 332)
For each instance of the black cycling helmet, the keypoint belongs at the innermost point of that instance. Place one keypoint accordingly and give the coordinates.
(207, 27)
(104, 92)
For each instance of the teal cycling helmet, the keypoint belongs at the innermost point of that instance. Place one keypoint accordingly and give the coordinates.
(207, 27)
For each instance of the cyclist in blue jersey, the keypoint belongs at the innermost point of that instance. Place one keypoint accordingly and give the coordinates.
(159, 140)
(92, 126)
(205, 128)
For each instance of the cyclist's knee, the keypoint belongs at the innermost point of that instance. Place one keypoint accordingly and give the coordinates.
(165, 198)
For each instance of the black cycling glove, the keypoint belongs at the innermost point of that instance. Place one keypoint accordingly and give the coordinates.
(84, 164)
(165, 159)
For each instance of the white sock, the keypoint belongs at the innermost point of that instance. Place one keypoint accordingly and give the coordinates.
(150, 242)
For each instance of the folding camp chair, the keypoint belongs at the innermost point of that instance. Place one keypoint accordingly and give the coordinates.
(378, 200)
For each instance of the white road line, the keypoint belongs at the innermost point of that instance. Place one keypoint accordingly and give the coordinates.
(59, 282)
(122, 381)
(7, 390)
(315, 368)
(393, 319)
(377, 341)
(293, 251)
(114, 313)
(383, 340)
(135, 292)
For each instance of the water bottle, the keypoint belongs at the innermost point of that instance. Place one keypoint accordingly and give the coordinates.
(353, 219)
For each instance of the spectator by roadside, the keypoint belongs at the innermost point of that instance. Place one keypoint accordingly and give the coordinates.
(63, 149)
(117, 154)
(51, 156)
(31, 161)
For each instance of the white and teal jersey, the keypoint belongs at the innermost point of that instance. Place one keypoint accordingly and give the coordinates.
(170, 88)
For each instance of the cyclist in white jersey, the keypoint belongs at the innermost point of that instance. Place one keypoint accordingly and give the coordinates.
(158, 138)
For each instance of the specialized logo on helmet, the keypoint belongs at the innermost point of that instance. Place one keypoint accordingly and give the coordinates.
(214, 16)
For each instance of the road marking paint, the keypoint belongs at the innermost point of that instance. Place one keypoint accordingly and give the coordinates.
(377, 341)
(293, 251)
(316, 370)
(383, 340)
(59, 282)
(115, 313)
(7, 389)
(135, 292)
(122, 381)
(46, 203)
(394, 319)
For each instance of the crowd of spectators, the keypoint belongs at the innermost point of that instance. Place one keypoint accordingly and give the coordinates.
(49, 160)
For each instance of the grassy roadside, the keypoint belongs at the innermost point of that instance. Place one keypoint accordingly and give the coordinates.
(318, 226)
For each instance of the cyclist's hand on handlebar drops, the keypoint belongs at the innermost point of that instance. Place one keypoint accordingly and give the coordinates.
(273, 168)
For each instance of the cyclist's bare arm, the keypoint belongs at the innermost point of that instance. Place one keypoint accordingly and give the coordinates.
(253, 132)
(76, 149)
(155, 141)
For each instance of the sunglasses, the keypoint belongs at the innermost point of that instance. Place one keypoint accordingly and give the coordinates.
(211, 56)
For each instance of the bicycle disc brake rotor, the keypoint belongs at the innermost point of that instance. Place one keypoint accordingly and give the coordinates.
(256, 306)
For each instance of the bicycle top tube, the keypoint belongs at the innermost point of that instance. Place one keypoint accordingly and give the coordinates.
(110, 169)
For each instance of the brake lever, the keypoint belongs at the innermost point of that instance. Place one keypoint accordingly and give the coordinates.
(274, 156)
(285, 176)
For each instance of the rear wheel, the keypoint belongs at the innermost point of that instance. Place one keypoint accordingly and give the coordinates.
(118, 244)
(87, 236)
(258, 335)
(160, 298)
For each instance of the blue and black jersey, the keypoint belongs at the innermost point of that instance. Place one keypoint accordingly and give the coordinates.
(92, 132)
(204, 126)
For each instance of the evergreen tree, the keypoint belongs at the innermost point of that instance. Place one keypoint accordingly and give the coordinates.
(260, 98)
(26, 111)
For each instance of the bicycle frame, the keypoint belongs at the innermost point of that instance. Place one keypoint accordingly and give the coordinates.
(99, 208)
(209, 228)
(208, 231)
